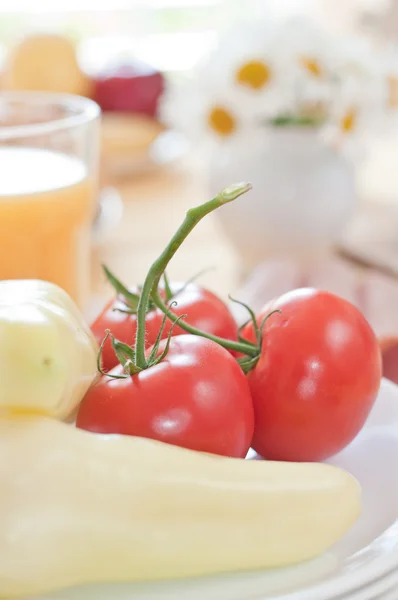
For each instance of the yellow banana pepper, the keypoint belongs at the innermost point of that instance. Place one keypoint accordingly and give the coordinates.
(79, 508)
(47, 352)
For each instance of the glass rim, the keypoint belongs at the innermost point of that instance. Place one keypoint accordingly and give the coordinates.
(86, 111)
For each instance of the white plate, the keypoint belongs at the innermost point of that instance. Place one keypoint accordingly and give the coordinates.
(375, 590)
(391, 595)
(368, 553)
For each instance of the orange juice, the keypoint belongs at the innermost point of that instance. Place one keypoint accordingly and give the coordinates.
(46, 209)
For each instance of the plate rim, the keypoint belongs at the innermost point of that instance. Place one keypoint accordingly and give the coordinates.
(374, 568)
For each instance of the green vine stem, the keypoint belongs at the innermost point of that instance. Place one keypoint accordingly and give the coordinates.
(149, 289)
(242, 347)
(250, 351)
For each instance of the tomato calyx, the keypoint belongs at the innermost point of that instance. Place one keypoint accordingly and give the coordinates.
(247, 363)
(126, 354)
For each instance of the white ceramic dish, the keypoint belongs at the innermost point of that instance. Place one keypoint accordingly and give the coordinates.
(391, 595)
(376, 590)
(362, 566)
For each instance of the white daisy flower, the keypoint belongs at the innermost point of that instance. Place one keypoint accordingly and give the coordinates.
(293, 73)
(308, 47)
(353, 115)
(248, 62)
(195, 109)
(389, 75)
(308, 52)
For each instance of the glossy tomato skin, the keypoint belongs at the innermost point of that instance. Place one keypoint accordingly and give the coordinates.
(204, 310)
(317, 377)
(197, 398)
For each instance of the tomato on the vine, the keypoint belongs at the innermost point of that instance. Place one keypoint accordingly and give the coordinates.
(317, 377)
(197, 397)
(204, 310)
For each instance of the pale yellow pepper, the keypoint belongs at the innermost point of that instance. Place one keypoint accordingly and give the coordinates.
(79, 508)
(47, 352)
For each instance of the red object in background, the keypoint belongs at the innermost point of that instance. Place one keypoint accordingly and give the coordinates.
(134, 88)
(389, 355)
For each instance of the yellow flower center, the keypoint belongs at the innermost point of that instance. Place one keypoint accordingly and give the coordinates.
(392, 82)
(255, 74)
(222, 121)
(312, 66)
(349, 120)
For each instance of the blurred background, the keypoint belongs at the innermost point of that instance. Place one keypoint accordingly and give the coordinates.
(298, 96)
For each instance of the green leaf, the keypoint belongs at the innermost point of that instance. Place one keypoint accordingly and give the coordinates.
(155, 348)
(296, 121)
(99, 356)
(167, 346)
(242, 339)
(167, 288)
(131, 298)
(248, 363)
(263, 322)
(125, 311)
(122, 349)
(192, 280)
(126, 356)
(252, 317)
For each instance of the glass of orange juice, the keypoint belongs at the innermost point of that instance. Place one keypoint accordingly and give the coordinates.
(49, 150)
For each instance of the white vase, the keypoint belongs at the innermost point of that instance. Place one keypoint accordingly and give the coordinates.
(303, 194)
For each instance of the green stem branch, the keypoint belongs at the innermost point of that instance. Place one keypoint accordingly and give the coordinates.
(242, 347)
(192, 218)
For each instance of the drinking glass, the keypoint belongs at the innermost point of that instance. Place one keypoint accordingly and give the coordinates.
(49, 154)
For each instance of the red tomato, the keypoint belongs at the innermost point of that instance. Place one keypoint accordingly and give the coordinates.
(317, 377)
(204, 310)
(197, 397)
